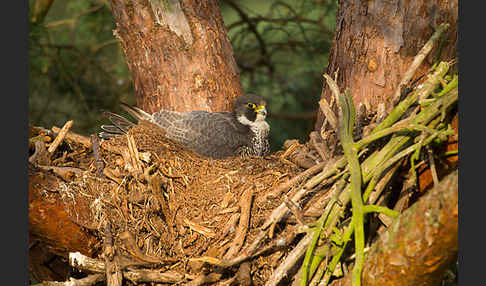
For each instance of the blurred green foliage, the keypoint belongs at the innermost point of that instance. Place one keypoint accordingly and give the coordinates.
(77, 67)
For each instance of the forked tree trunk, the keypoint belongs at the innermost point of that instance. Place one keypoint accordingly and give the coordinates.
(376, 41)
(179, 54)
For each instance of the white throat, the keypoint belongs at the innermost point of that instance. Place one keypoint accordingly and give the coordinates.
(258, 126)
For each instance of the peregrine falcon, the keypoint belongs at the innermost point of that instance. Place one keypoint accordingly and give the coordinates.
(242, 132)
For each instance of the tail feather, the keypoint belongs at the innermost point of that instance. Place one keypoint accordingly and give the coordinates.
(108, 135)
(136, 112)
(112, 129)
(121, 125)
(118, 121)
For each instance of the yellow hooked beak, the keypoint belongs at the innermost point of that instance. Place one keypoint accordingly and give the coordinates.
(261, 110)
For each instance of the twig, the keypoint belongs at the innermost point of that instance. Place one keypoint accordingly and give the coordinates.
(315, 237)
(230, 225)
(289, 150)
(85, 141)
(394, 129)
(85, 263)
(315, 210)
(417, 61)
(86, 281)
(287, 185)
(199, 228)
(112, 268)
(251, 252)
(133, 154)
(433, 169)
(423, 118)
(319, 272)
(389, 155)
(380, 186)
(82, 262)
(154, 276)
(131, 247)
(334, 89)
(112, 174)
(245, 206)
(427, 88)
(282, 210)
(295, 209)
(327, 220)
(282, 270)
(60, 136)
(40, 155)
(327, 110)
(331, 168)
(337, 255)
(254, 30)
(243, 275)
(318, 146)
(99, 164)
(393, 160)
(64, 172)
(205, 279)
(380, 209)
(227, 282)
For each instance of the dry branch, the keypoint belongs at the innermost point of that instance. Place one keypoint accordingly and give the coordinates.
(85, 263)
(243, 275)
(60, 136)
(85, 141)
(40, 155)
(87, 281)
(292, 258)
(245, 206)
(417, 61)
(112, 267)
(138, 276)
(205, 279)
(290, 183)
(99, 164)
(327, 110)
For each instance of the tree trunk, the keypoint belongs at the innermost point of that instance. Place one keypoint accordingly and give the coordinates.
(376, 41)
(179, 54)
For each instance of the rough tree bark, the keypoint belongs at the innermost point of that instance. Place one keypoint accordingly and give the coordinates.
(375, 42)
(178, 53)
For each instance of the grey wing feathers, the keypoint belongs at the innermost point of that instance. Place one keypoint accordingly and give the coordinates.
(169, 119)
(212, 134)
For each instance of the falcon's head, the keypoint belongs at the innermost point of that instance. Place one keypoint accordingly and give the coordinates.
(250, 109)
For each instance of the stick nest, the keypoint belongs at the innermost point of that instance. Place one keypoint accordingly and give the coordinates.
(166, 205)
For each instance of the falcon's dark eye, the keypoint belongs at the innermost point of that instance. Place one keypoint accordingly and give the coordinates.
(251, 105)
